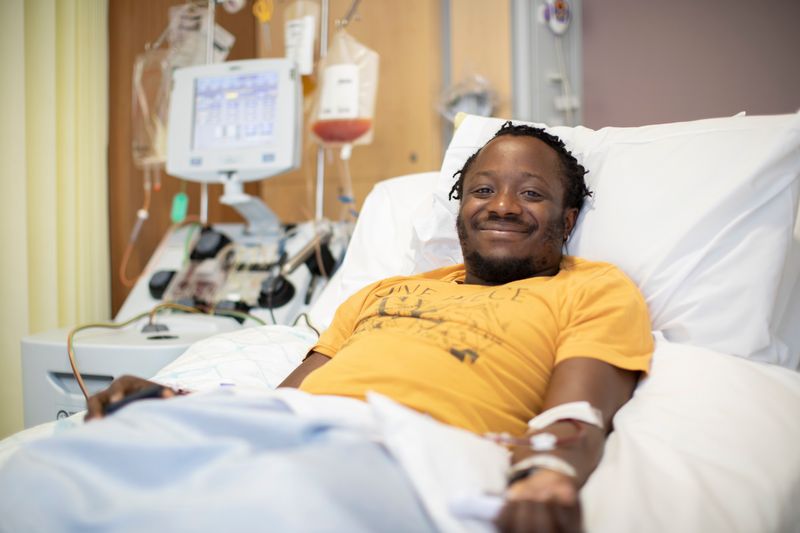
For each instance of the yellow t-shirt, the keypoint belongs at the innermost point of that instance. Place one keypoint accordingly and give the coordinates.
(475, 356)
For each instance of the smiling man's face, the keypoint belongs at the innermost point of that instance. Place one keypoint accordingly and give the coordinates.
(512, 222)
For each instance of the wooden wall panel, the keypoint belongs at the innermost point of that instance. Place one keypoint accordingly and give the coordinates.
(480, 43)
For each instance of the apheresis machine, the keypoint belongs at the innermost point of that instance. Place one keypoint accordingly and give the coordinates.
(229, 123)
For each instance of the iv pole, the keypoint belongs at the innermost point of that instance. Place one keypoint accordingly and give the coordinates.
(210, 26)
(323, 52)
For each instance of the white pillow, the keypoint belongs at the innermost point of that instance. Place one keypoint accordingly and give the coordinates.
(785, 324)
(379, 247)
(699, 214)
(689, 440)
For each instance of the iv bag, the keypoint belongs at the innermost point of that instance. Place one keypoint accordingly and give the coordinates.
(149, 107)
(474, 95)
(152, 77)
(188, 44)
(345, 103)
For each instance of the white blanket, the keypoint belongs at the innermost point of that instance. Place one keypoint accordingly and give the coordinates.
(707, 444)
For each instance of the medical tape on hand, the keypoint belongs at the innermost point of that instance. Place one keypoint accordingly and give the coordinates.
(580, 411)
(544, 460)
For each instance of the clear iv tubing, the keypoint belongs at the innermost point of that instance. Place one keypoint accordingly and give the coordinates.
(141, 215)
(346, 198)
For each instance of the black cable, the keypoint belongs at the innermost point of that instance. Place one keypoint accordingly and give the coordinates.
(308, 322)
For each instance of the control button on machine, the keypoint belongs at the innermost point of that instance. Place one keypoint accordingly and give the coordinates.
(209, 244)
(159, 282)
(328, 262)
(275, 292)
(230, 305)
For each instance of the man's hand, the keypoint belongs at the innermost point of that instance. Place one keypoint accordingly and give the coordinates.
(120, 388)
(543, 502)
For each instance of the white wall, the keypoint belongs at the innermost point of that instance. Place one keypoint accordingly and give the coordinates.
(647, 62)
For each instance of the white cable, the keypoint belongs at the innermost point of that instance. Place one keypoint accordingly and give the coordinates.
(566, 89)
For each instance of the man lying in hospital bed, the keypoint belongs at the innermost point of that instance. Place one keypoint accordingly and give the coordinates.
(485, 347)
(774, 189)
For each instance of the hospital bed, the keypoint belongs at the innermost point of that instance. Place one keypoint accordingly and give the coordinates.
(703, 217)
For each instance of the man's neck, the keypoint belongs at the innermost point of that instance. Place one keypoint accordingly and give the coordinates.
(472, 279)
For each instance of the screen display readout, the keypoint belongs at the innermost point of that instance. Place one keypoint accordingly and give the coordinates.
(236, 111)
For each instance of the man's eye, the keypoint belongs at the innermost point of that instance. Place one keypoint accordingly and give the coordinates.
(532, 194)
(482, 190)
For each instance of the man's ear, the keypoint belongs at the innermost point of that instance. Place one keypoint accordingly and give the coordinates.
(570, 217)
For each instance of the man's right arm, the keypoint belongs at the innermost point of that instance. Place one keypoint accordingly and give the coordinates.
(337, 333)
(126, 385)
(313, 361)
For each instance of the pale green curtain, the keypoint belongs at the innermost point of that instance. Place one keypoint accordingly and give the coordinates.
(53, 195)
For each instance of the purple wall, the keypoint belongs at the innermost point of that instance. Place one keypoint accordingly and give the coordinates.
(653, 61)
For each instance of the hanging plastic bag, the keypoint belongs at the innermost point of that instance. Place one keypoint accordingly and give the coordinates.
(345, 106)
(150, 102)
(188, 43)
(300, 36)
(152, 78)
(474, 95)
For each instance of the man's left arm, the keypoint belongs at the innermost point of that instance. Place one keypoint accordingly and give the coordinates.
(313, 361)
(547, 498)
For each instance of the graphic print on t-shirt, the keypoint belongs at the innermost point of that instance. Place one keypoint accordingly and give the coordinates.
(428, 314)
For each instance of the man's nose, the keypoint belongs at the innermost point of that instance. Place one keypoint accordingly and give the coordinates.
(505, 203)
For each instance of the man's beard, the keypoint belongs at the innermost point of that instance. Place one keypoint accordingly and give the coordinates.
(498, 271)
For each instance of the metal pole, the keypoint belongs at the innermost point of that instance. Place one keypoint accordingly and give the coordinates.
(523, 55)
(445, 29)
(210, 32)
(210, 25)
(323, 51)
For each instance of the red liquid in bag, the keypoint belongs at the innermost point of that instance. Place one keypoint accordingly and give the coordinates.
(341, 130)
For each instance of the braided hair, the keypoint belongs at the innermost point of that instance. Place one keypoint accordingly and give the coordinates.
(575, 189)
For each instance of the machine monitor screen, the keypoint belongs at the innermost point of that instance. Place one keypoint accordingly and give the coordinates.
(234, 111)
(240, 118)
